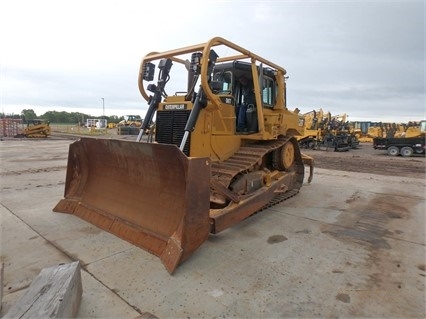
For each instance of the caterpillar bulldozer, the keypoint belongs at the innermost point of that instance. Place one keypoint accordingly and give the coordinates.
(313, 129)
(217, 157)
(36, 128)
(366, 131)
(131, 120)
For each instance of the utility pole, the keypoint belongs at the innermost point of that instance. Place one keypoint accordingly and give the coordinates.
(103, 106)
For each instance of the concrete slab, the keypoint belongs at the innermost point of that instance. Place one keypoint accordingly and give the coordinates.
(349, 245)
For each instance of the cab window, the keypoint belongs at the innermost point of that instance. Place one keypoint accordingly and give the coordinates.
(268, 92)
(225, 78)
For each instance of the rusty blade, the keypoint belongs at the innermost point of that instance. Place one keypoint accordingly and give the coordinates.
(151, 195)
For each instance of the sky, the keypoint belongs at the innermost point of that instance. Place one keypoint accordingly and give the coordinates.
(362, 58)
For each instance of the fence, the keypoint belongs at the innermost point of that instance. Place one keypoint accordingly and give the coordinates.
(10, 127)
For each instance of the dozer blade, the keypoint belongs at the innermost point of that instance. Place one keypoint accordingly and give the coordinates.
(151, 195)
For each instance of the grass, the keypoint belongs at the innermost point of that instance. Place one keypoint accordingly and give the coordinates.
(80, 130)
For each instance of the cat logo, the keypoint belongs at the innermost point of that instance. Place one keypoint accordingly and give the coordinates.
(174, 107)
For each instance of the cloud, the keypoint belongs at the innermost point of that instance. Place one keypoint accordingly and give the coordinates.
(363, 58)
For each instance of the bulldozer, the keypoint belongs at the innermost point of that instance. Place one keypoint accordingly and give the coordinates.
(366, 131)
(36, 128)
(313, 129)
(131, 120)
(217, 156)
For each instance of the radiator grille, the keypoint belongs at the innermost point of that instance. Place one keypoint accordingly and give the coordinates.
(170, 128)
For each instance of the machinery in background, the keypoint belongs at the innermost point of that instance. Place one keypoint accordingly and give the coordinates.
(411, 129)
(323, 131)
(131, 120)
(367, 131)
(407, 144)
(225, 148)
(339, 127)
(96, 123)
(130, 125)
(312, 129)
(36, 128)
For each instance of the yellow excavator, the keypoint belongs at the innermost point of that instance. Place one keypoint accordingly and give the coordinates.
(224, 149)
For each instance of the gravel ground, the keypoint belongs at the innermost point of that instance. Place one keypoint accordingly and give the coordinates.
(366, 159)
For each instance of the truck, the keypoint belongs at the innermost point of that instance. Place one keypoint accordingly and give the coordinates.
(217, 157)
(404, 146)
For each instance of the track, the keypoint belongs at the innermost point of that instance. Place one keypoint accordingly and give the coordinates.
(243, 160)
(246, 159)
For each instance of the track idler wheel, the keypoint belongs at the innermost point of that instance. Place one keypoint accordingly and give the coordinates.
(284, 158)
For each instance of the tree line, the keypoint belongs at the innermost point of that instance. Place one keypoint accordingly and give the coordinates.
(61, 117)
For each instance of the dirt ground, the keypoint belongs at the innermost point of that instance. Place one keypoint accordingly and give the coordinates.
(366, 159)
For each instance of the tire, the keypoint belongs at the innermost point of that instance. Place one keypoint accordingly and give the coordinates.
(407, 151)
(393, 150)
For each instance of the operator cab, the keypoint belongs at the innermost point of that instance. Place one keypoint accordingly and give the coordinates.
(235, 82)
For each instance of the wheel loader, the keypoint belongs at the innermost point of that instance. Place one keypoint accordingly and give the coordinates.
(217, 157)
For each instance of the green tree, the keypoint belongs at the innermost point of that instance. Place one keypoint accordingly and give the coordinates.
(76, 117)
(65, 117)
(28, 114)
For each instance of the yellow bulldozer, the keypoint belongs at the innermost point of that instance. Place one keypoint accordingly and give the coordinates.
(313, 129)
(131, 120)
(35, 128)
(366, 131)
(224, 149)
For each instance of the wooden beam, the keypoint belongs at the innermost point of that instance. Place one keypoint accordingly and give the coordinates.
(54, 293)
